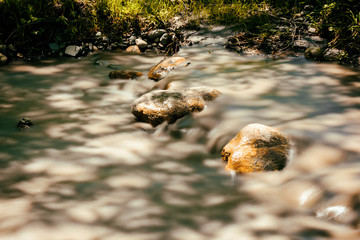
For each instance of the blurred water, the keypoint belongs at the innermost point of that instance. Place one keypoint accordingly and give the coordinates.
(88, 170)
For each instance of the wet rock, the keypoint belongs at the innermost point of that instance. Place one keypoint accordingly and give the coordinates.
(169, 105)
(24, 124)
(314, 53)
(124, 74)
(161, 69)
(156, 33)
(3, 59)
(165, 39)
(141, 43)
(256, 148)
(133, 49)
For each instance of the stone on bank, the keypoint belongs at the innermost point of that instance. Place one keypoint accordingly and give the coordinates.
(133, 49)
(73, 50)
(156, 33)
(256, 148)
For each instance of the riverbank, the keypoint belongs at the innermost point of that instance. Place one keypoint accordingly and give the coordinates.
(38, 29)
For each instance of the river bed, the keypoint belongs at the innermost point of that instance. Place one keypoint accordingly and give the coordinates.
(88, 170)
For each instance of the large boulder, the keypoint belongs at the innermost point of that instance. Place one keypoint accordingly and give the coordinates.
(169, 105)
(256, 148)
(160, 70)
(124, 74)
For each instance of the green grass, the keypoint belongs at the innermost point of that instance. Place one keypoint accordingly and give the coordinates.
(32, 24)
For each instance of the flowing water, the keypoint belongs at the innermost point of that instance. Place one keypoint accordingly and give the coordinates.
(88, 170)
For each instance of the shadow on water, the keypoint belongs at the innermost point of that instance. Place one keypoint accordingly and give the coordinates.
(88, 169)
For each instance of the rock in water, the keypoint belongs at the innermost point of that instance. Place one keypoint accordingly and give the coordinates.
(124, 74)
(169, 105)
(161, 69)
(24, 124)
(256, 148)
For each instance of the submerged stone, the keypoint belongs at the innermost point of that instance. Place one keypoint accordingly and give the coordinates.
(24, 124)
(169, 105)
(124, 74)
(161, 69)
(256, 148)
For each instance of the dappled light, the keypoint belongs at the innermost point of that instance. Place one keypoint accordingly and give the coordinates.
(88, 170)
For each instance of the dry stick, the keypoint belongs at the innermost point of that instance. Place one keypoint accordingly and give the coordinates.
(10, 35)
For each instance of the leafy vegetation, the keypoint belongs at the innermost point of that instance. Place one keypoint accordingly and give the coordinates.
(31, 25)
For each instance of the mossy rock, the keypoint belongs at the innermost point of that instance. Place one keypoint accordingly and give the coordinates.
(314, 53)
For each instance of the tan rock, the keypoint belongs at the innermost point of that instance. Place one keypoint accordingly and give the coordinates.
(161, 69)
(124, 74)
(133, 49)
(161, 105)
(256, 148)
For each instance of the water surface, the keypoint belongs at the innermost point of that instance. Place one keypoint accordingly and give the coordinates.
(88, 170)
